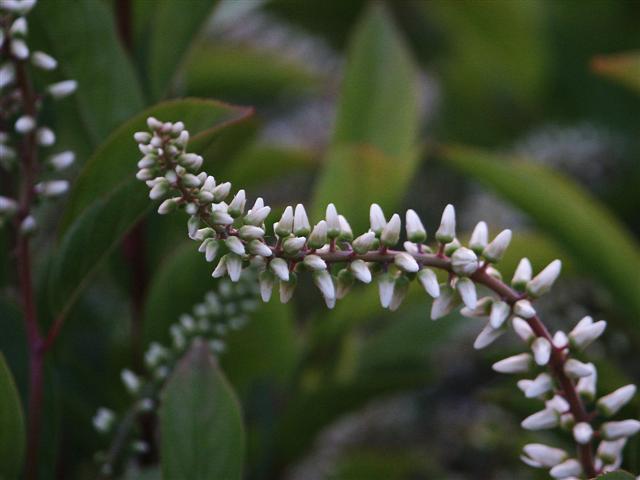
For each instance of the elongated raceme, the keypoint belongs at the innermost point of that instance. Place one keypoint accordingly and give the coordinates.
(329, 252)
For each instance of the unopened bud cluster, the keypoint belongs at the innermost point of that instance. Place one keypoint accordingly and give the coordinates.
(19, 118)
(237, 237)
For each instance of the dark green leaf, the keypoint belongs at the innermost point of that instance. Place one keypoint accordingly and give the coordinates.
(172, 29)
(12, 434)
(593, 237)
(373, 152)
(619, 475)
(200, 422)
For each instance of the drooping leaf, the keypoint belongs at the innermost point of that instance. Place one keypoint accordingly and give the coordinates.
(619, 475)
(108, 88)
(12, 431)
(172, 29)
(594, 238)
(200, 422)
(107, 199)
(373, 152)
(623, 68)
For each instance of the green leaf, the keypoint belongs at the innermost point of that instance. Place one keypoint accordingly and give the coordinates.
(619, 475)
(200, 422)
(594, 238)
(623, 68)
(107, 199)
(12, 434)
(373, 152)
(82, 35)
(172, 29)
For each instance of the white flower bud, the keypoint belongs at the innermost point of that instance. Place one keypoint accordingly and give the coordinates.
(318, 237)
(523, 330)
(406, 262)
(167, 206)
(364, 242)
(103, 420)
(586, 386)
(333, 221)
(558, 403)
(445, 303)
(386, 283)
(495, 250)
(544, 455)
(344, 283)
(235, 245)
(452, 246)
(8, 206)
(257, 216)
(62, 89)
(236, 207)
(376, 217)
(144, 174)
(487, 336)
(250, 232)
(429, 282)
(52, 188)
(568, 468)
(467, 290)
(542, 384)
(19, 49)
(400, 290)
(130, 380)
(520, 363)
(479, 238)
(28, 225)
(447, 230)
(314, 262)
(256, 247)
(522, 275)
(190, 180)
(288, 288)
(543, 282)
(266, 280)
(324, 282)
(499, 313)
(220, 192)
(560, 339)
(285, 224)
(346, 233)
(621, 429)
(19, 27)
(45, 137)
(360, 270)
(301, 226)
(159, 190)
(576, 369)
(415, 230)
(142, 137)
(464, 262)
(391, 232)
(586, 331)
(62, 160)
(219, 217)
(221, 268)
(192, 227)
(611, 404)
(541, 348)
(582, 433)
(234, 266)
(25, 124)
(544, 419)
(292, 246)
(524, 309)
(610, 451)
(7, 74)
(280, 268)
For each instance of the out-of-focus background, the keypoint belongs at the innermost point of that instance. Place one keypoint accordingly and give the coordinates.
(525, 114)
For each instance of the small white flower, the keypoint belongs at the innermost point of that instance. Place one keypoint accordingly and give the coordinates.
(220, 192)
(523, 330)
(400, 290)
(293, 245)
(524, 309)
(221, 268)
(130, 380)
(25, 124)
(522, 275)
(62, 89)
(541, 348)
(45, 137)
(235, 245)
(558, 403)
(103, 420)
(19, 7)
(318, 237)
(542, 384)
(257, 216)
(447, 230)
(301, 226)
(609, 451)
(314, 262)
(467, 290)
(582, 433)
(256, 247)
(543, 282)
(405, 262)
(287, 288)
(280, 268)
(62, 160)
(7, 74)
(577, 369)
(479, 238)
(19, 49)
(464, 261)
(391, 232)
(568, 468)
(495, 250)
(516, 364)
(482, 310)
(499, 313)
(376, 217)
(544, 419)
(416, 232)
(28, 225)
(44, 61)
(487, 336)
(236, 207)
(385, 289)
(250, 232)
(429, 282)
(364, 242)
(52, 188)
(346, 233)
(445, 302)
(324, 282)
(611, 404)
(234, 266)
(266, 280)
(586, 332)
(219, 217)
(544, 455)
(621, 429)
(560, 339)
(333, 221)
(586, 386)
(360, 270)
(8, 206)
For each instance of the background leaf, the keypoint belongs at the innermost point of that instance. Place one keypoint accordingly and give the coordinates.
(12, 434)
(373, 154)
(620, 475)
(623, 68)
(200, 422)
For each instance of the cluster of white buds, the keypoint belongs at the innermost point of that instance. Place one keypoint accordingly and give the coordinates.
(240, 239)
(21, 106)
